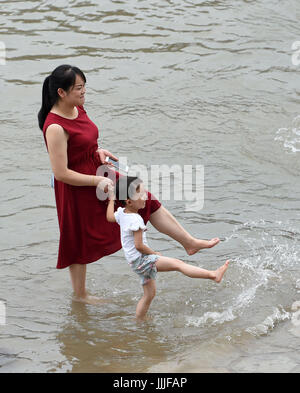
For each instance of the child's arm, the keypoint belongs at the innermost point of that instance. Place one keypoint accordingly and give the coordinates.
(110, 211)
(139, 245)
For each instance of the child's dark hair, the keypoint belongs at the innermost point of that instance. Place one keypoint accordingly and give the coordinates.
(126, 188)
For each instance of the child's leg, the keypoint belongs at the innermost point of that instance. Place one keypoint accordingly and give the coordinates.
(144, 304)
(165, 264)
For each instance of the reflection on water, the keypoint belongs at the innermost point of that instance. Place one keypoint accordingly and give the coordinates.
(181, 82)
(88, 341)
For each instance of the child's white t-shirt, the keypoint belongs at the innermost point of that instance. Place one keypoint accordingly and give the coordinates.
(130, 222)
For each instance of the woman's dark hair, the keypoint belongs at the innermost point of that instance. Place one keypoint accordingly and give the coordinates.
(126, 188)
(64, 77)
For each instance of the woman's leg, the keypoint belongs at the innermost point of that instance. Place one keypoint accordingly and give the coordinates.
(166, 223)
(144, 303)
(78, 278)
(166, 264)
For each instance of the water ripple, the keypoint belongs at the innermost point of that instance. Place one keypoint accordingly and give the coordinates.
(176, 82)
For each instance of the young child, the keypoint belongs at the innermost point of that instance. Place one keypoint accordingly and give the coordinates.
(142, 259)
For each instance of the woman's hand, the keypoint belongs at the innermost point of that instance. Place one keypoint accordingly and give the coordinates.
(104, 183)
(105, 153)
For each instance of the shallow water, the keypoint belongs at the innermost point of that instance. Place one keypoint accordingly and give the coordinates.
(169, 82)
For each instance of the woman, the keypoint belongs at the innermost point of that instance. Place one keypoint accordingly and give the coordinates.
(71, 140)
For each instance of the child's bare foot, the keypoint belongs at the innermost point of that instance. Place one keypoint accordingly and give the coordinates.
(220, 272)
(199, 244)
(146, 318)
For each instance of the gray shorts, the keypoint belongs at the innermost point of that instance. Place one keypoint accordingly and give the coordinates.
(144, 266)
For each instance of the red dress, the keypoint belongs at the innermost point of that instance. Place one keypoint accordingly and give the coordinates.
(85, 234)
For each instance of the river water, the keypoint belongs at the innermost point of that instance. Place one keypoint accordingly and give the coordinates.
(210, 83)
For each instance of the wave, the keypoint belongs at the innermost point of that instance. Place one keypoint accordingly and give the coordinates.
(278, 315)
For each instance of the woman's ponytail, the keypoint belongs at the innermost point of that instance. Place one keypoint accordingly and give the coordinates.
(64, 77)
(47, 103)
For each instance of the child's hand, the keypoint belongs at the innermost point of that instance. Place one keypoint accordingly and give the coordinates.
(158, 253)
(111, 192)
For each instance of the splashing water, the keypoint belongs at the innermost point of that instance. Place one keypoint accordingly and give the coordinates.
(290, 136)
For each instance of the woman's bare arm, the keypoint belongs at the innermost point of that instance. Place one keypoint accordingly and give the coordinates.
(57, 142)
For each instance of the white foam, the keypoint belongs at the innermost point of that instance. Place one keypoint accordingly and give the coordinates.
(211, 317)
(231, 313)
(295, 320)
(290, 136)
(278, 315)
